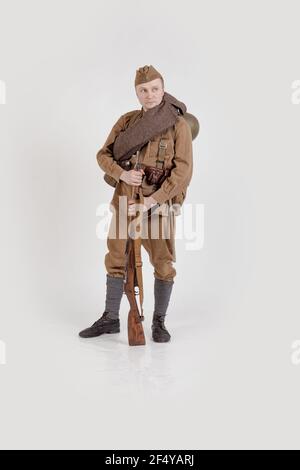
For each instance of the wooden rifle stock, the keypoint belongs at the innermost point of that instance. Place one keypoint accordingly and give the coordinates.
(136, 335)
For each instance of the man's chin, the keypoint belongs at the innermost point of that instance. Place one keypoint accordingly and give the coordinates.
(150, 106)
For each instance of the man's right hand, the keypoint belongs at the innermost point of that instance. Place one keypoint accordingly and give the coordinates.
(132, 177)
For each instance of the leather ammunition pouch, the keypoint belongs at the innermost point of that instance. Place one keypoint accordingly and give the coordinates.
(156, 176)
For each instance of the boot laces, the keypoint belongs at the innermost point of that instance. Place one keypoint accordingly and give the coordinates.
(100, 321)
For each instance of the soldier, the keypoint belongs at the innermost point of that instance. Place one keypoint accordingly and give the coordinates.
(160, 137)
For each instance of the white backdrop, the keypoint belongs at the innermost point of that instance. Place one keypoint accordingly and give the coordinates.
(228, 378)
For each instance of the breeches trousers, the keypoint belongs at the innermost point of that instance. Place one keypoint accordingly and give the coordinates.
(157, 238)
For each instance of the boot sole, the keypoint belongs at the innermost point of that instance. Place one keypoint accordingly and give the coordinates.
(161, 340)
(102, 333)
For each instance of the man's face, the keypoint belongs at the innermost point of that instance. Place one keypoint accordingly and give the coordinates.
(150, 94)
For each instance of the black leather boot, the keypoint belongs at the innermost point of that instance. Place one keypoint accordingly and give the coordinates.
(109, 322)
(162, 294)
(160, 333)
(103, 325)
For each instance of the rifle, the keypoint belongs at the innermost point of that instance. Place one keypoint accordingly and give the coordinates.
(133, 281)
